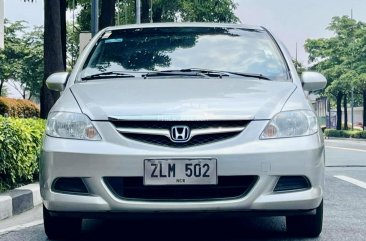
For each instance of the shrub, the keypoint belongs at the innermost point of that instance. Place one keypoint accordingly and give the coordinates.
(18, 108)
(20, 146)
(363, 134)
(332, 133)
(345, 133)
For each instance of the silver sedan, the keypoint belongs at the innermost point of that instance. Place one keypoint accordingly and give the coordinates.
(183, 118)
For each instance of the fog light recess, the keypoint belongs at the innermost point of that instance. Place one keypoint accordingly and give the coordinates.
(292, 183)
(70, 185)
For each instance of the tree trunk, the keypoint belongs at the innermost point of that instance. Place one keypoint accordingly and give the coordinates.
(364, 109)
(339, 111)
(108, 13)
(345, 112)
(53, 57)
(157, 16)
(145, 6)
(63, 6)
(1, 87)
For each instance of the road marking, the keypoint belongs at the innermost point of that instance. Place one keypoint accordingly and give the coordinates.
(352, 180)
(20, 227)
(344, 148)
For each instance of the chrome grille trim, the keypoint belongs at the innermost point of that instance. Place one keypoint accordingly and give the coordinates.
(142, 131)
(181, 117)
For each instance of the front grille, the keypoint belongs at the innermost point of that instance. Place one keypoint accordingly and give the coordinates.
(195, 141)
(227, 187)
(163, 140)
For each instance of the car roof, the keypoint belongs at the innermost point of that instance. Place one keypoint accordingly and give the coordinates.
(185, 24)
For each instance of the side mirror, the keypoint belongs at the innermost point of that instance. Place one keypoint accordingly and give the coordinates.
(312, 81)
(57, 81)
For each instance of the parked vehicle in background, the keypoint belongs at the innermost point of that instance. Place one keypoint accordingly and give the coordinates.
(183, 117)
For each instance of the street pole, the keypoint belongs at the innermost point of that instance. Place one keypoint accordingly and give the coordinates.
(94, 17)
(1, 24)
(138, 11)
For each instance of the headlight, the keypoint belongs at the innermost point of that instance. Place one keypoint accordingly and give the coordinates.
(291, 124)
(71, 125)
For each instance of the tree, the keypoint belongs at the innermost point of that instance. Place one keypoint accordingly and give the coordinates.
(22, 59)
(337, 90)
(32, 65)
(107, 13)
(341, 58)
(13, 52)
(162, 11)
(54, 48)
(53, 51)
(209, 11)
(106, 17)
(72, 45)
(300, 68)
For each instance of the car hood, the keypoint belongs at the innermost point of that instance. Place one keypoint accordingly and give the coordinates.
(182, 98)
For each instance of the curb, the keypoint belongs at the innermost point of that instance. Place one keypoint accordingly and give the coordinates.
(345, 139)
(19, 200)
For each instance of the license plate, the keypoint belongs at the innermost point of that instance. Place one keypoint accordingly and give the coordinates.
(180, 172)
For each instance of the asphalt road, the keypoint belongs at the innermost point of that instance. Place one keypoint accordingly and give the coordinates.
(344, 213)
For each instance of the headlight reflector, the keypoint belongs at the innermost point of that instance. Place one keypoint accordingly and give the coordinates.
(72, 126)
(291, 124)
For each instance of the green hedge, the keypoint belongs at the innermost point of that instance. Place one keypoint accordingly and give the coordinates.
(345, 134)
(18, 108)
(20, 145)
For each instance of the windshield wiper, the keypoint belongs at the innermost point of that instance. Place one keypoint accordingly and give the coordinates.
(219, 73)
(203, 73)
(259, 76)
(108, 75)
(174, 73)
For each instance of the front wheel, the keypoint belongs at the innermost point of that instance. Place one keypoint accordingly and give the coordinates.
(59, 228)
(306, 225)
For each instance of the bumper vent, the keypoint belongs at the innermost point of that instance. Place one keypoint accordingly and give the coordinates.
(133, 188)
(71, 185)
(200, 132)
(292, 183)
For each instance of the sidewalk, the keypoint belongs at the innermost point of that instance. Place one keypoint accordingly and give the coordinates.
(19, 200)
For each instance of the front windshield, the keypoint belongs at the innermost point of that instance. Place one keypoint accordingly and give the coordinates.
(176, 48)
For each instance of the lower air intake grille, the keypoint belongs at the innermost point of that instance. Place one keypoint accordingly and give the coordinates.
(133, 188)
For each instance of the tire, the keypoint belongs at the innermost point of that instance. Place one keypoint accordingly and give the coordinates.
(59, 228)
(306, 225)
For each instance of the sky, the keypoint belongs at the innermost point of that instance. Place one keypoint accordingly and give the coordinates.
(292, 21)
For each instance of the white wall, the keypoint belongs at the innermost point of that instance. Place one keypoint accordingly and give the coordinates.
(357, 116)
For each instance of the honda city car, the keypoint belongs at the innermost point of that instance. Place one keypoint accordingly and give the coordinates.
(183, 118)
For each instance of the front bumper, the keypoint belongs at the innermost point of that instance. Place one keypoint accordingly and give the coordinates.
(241, 155)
